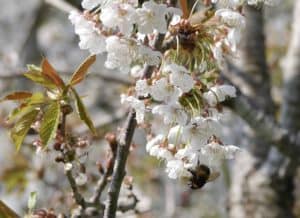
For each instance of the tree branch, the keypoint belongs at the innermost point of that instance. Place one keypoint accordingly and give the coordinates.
(77, 196)
(119, 169)
(111, 138)
(123, 147)
(266, 127)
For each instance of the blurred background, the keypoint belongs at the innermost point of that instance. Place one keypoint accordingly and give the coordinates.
(260, 183)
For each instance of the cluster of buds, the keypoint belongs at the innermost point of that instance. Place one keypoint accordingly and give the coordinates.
(180, 104)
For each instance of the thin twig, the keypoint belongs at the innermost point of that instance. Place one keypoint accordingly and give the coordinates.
(77, 196)
(110, 165)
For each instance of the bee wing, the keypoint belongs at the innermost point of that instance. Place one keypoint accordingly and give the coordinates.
(213, 176)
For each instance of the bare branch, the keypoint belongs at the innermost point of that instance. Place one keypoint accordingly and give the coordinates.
(111, 138)
(266, 127)
(123, 148)
(77, 196)
(119, 169)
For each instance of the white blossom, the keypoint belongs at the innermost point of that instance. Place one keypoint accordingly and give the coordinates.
(89, 36)
(171, 113)
(155, 141)
(176, 170)
(136, 71)
(175, 135)
(142, 88)
(180, 77)
(120, 53)
(162, 90)
(233, 38)
(199, 131)
(192, 156)
(119, 15)
(161, 153)
(158, 126)
(216, 152)
(148, 56)
(218, 53)
(231, 18)
(155, 148)
(91, 4)
(152, 17)
(137, 105)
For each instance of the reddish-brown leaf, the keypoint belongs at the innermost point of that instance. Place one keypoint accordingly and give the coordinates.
(51, 73)
(20, 95)
(81, 71)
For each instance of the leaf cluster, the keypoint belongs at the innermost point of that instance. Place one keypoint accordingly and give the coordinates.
(46, 108)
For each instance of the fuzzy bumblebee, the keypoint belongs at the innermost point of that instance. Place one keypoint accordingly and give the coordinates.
(201, 175)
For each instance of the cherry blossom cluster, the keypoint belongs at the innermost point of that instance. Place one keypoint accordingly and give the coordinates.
(180, 104)
(114, 30)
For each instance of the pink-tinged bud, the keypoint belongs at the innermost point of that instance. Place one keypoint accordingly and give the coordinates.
(111, 138)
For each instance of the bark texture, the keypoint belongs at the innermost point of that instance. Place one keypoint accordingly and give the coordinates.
(265, 186)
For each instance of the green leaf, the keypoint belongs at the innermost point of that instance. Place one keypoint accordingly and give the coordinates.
(83, 114)
(39, 78)
(19, 95)
(80, 73)
(32, 201)
(6, 212)
(19, 112)
(22, 126)
(50, 122)
(36, 99)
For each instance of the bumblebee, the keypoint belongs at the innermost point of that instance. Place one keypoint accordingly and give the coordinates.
(200, 176)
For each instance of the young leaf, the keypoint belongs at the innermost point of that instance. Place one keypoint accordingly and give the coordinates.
(21, 128)
(80, 73)
(20, 95)
(83, 114)
(32, 67)
(6, 212)
(18, 112)
(32, 201)
(29, 104)
(51, 73)
(50, 122)
(39, 78)
(36, 99)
